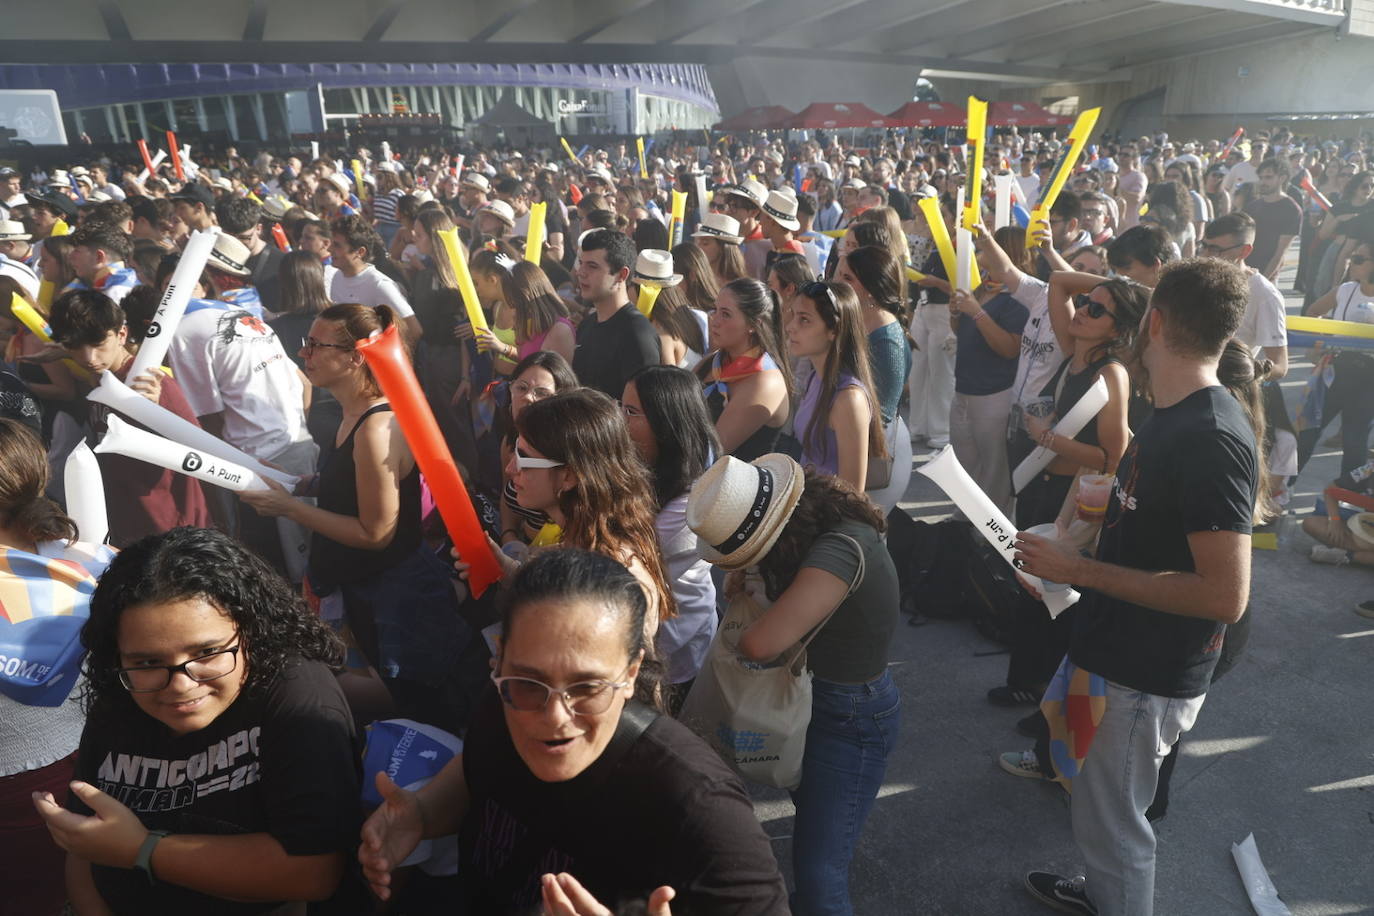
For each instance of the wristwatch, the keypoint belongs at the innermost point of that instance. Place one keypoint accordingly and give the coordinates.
(144, 860)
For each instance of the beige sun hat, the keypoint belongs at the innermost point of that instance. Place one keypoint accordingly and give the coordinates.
(1361, 526)
(654, 267)
(739, 509)
(782, 208)
(720, 227)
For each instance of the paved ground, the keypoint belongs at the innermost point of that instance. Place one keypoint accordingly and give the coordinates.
(1284, 748)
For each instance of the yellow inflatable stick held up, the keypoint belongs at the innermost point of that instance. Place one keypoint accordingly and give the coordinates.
(648, 295)
(676, 215)
(534, 236)
(61, 228)
(914, 275)
(976, 139)
(466, 289)
(643, 169)
(29, 317)
(1073, 150)
(358, 179)
(567, 148)
(930, 206)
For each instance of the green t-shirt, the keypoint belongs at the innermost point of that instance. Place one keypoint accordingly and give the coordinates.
(852, 647)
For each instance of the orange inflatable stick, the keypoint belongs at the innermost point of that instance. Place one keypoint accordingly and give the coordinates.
(391, 367)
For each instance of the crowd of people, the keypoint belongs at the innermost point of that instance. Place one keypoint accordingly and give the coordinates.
(657, 411)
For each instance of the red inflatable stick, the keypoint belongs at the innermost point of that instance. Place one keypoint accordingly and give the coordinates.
(175, 152)
(1313, 193)
(147, 159)
(391, 367)
(279, 236)
(1358, 500)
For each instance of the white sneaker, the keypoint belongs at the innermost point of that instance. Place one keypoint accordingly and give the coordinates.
(1021, 763)
(1333, 555)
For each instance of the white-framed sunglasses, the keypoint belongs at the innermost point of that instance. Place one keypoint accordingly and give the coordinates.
(525, 462)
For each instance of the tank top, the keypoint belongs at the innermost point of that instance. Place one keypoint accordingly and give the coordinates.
(333, 564)
(763, 440)
(824, 459)
(1353, 305)
(536, 343)
(1068, 387)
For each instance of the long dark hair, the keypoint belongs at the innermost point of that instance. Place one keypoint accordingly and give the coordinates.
(686, 437)
(1238, 371)
(698, 280)
(611, 508)
(527, 290)
(564, 379)
(23, 478)
(881, 277)
(274, 625)
(838, 307)
(568, 574)
(825, 503)
(674, 316)
(301, 276)
(1129, 302)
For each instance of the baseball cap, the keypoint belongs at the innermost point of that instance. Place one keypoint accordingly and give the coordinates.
(194, 192)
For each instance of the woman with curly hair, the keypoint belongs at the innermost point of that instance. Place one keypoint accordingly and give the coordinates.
(818, 545)
(218, 770)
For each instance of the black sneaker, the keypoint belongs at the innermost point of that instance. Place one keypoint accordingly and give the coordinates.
(1013, 696)
(1063, 894)
(1033, 726)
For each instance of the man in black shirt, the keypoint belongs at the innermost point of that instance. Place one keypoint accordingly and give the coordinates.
(1172, 570)
(616, 341)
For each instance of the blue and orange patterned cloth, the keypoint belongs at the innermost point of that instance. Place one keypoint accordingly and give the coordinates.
(1073, 705)
(44, 602)
(720, 376)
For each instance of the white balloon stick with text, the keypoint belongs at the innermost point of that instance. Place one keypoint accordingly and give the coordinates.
(122, 438)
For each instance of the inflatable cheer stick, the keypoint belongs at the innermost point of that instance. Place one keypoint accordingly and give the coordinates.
(643, 169)
(123, 439)
(951, 477)
(1313, 193)
(157, 161)
(176, 156)
(1231, 144)
(534, 235)
(116, 395)
(279, 236)
(1001, 213)
(1088, 407)
(177, 296)
(1305, 331)
(392, 369)
(677, 214)
(930, 206)
(703, 202)
(84, 490)
(567, 148)
(358, 179)
(28, 316)
(148, 165)
(976, 138)
(466, 289)
(1073, 149)
(648, 295)
(968, 276)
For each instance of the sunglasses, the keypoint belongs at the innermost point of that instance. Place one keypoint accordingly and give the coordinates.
(817, 289)
(525, 462)
(1094, 308)
(1208, 249)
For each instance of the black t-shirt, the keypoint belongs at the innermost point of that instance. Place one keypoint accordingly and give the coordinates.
(1273, 219)
(283, 762)
(265, 267)
(1192, 467)
(665, 810)
(610, 351)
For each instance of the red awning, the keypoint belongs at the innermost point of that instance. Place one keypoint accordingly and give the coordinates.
(929, 114)
(1024, 114)
(763, 117)
(830, 115)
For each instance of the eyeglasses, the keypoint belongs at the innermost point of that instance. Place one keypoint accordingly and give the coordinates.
(310, 344)
(1207, 249)
(525, 462)
(525, 694)
(525, 389)
(208, 667)
(1094, 308)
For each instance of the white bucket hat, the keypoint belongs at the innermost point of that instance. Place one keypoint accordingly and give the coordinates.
(720, 227)
(499, 209)
(654, 267)
(782, 207)
(475, 180)
(738, 509)
(751, 190)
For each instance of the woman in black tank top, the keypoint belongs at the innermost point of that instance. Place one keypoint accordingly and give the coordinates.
(1097, 330)
(366, 551)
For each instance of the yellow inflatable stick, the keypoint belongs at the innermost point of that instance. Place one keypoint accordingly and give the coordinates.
(643, 169)
(676, 215)
(1073, 150)
(548, 535)
(534, 236)
(61, 228)
(648, 295)
(930, 206)
(358, 179)
(1325, 327)
(568, 149)
(976, 138)
(465, 286)
(29, 317)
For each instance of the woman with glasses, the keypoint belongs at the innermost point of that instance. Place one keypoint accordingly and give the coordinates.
(40, 722)
(540, 375)
(1095, 322)
(368, 565)
(217, 772)
(572, 791)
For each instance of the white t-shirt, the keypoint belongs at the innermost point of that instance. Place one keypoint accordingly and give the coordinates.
(1244, 173)
(1353, 305)
(227, 360)
(1263, 324)
(1030, 188)
(372, 288)
(1040, 350)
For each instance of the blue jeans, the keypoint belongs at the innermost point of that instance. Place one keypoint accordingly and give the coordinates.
(853, 729)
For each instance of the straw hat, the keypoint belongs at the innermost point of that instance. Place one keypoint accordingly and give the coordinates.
(230, 256)
(782, 207)
(1361, 526)
(11, 230)
(751, 190)
(476, 180)
(275, 207)
(737, 510)
(499, 209)
(720, 227)
(654, 267)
